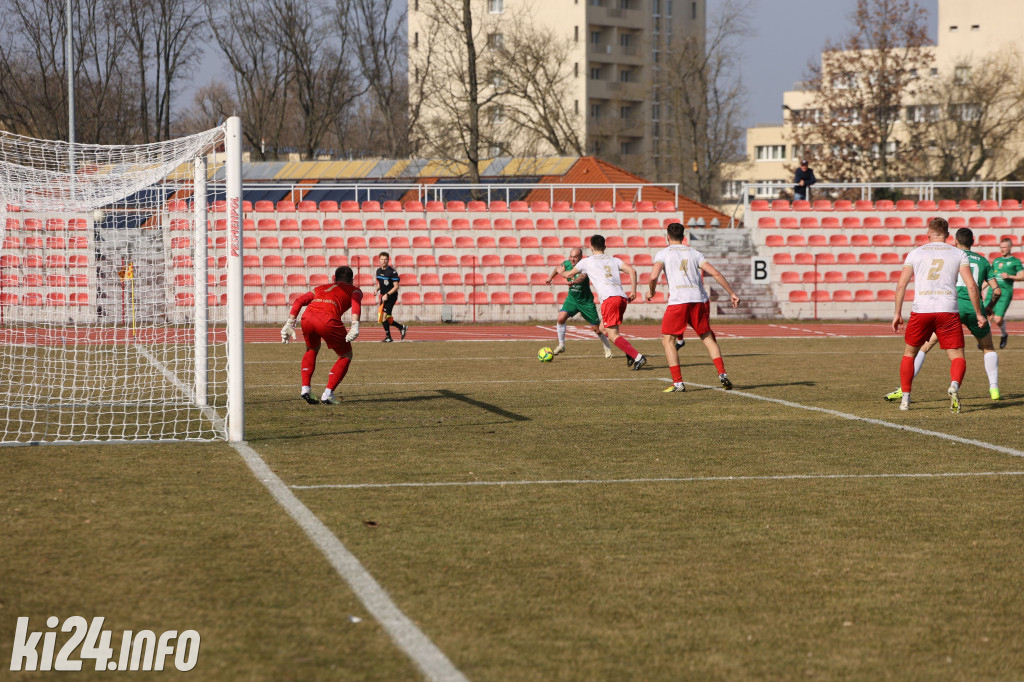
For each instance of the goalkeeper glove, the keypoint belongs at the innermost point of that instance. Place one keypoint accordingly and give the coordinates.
(288, 330)
(354, 334)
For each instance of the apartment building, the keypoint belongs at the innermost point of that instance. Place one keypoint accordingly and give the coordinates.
(615, 48)
(967, 32)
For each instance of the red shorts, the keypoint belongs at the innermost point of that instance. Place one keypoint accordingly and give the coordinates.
(612, 310)
(315, 328)
(681, 314)
(945, 325)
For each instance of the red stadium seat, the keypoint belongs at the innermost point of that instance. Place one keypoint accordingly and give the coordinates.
(842, 296)
(765, 222)
(782, 259)
(799, 297)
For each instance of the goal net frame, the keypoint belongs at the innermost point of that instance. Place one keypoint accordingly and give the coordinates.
(121, 300)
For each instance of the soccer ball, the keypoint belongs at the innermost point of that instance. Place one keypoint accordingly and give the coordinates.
(545, 354)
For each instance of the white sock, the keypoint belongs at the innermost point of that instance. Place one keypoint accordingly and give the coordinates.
(561, 334)
(992, 369)
(1002, 327)
(918, 361)
(604, 340)
(327, 394)
(305, 390)
(955, 385)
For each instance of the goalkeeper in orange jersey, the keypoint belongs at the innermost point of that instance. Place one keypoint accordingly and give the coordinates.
(322, 322)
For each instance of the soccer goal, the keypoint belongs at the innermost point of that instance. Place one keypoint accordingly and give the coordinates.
(121, 290)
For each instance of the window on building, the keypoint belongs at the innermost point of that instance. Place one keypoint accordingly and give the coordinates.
(625, 39)
(496, 40)
(625, 112)
(416, 39)
(576, 106)
(626, 148)
(933, 72)
(656, 7)
(595, 73)
(975, 27)
(962, 74)
(732, 189)
(770, 152)
(495, 6)
(806, 151)
(693, 10)
(595, 3)
(595, 37)
(576, 69)
(668, 8)
(576, 34)
(954, 29)
(655, 112)
(965, 112)
(595, 111)
(416, 5)
(923, 113)
(497, 115)
(626, 76)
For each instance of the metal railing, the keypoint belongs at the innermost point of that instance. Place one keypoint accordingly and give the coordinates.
(918, 191)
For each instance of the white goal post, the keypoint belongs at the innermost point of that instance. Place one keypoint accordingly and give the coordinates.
(121, 290)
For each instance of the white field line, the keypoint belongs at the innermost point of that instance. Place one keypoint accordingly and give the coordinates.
(219, 425)
(877, 422)
(691, 479)
(804, 330)
(573, 332)
(428, 658)
(410, 639)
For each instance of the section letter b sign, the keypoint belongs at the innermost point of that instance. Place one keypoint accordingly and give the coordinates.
(759, 270)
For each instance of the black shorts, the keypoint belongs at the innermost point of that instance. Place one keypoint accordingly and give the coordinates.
(386, 307)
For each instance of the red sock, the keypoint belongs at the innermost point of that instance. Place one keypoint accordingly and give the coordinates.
(906, 373)
(338, 372)
(957, 370)
(719, 365)
(677, 374)
(308, 365)
(625, 346)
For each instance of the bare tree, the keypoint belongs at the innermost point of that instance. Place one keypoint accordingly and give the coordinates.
(968, 121)
(538, 78)
(33, 72)
(166, 37)
(463, 86)
(700, 104)
(261, 71)
(378, 35)
(859, 88)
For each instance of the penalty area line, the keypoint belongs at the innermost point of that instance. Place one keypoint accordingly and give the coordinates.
(687, 479)
(410, 639)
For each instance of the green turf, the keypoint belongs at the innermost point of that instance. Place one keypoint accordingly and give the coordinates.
(842, 578)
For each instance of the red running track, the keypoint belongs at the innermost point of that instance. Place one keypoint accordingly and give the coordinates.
(370, 332)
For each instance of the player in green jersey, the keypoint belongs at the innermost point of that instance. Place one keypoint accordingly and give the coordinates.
(580, 300)
(983, 275)
(1008, 269)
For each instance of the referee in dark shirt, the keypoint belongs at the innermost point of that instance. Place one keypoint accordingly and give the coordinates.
(387, 284)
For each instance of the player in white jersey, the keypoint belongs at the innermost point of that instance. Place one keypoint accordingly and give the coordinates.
(687, 302)
(935, 268)
(603, 271)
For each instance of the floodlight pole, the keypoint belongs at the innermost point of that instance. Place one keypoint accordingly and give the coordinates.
(69, 60)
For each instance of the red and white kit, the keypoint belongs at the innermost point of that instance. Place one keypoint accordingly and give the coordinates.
(936, 269)
(687, 299)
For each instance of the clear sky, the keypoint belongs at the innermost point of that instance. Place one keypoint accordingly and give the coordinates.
(788, 36)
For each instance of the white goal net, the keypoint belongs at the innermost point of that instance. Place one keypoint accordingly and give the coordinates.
(113, 290)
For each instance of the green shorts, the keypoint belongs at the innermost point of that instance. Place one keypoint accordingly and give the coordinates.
(1002, 303)
(970, 320)
(586, 309)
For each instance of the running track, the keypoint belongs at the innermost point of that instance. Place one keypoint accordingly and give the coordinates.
(755, 330)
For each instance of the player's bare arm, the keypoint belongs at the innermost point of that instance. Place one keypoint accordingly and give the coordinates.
(996, 290)
(972, 291)
(655, 275)
(1019, 277)
(901, 293)
(722, 282)
(569, 274)
(631, 271)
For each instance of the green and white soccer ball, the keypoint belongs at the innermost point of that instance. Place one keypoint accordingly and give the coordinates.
(545, 354)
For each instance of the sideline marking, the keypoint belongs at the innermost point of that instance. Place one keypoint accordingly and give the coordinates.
(417, 646)
(868, 420)
(410, 639)
(691, 479)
